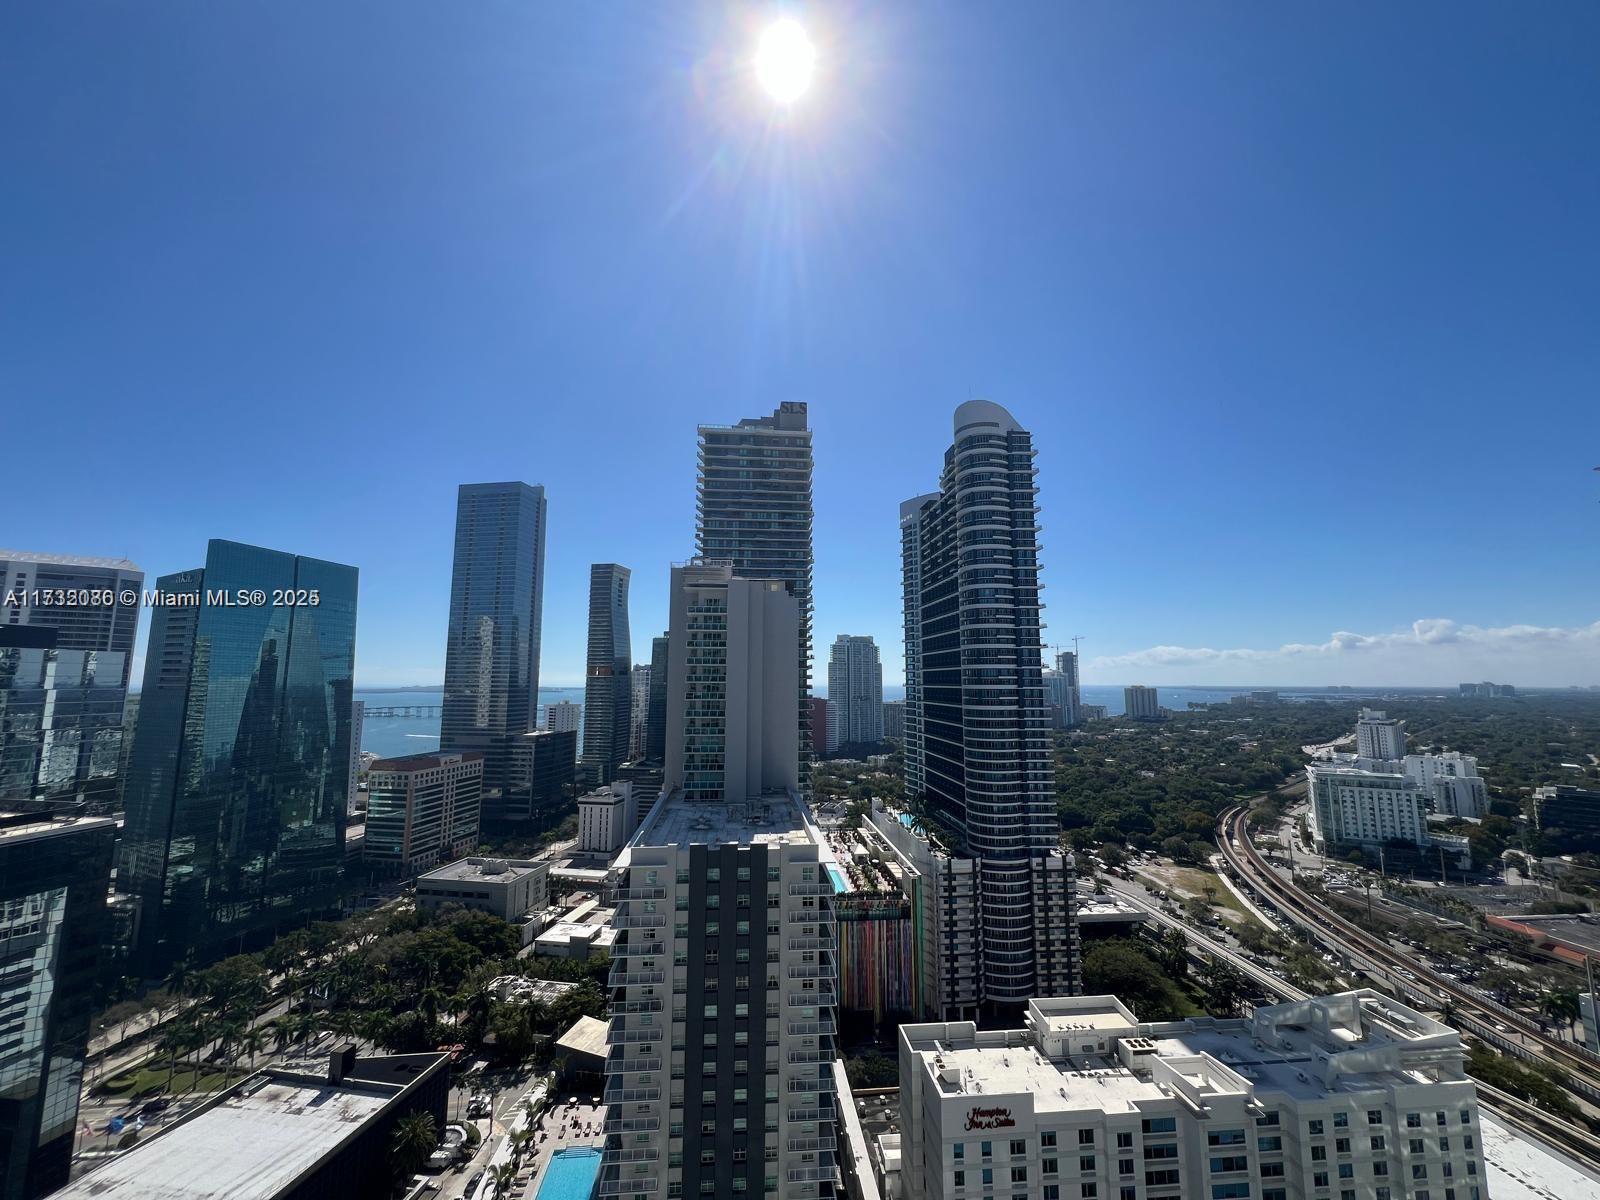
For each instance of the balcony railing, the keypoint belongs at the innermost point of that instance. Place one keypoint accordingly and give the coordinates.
(653, 1033)
(801, 1144)
(637, 949)
(621, 1095)
(822, 1083)
(632, 978)
(619, 1066)
(817, 999)
(631, 1124)
(627, 1186)
(812, 943)
(812, 1056)
(615, 1158)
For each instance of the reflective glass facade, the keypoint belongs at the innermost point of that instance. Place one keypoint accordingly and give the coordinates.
(491, 666)
(53, 881)
(60, 721)
(608, 683)
(240, 768)
(61, 729)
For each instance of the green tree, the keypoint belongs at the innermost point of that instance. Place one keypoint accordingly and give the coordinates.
(1118, 967)
(413, 1140)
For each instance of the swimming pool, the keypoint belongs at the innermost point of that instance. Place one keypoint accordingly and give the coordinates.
(840, 883)
(570, 1175)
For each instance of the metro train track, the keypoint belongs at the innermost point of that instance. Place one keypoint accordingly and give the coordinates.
(1233, 839)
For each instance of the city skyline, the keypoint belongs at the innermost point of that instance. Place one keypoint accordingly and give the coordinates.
(1186, 315)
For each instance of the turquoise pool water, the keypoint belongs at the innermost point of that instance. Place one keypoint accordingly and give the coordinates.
(907, 820)
(840, 883)
(570, 1175)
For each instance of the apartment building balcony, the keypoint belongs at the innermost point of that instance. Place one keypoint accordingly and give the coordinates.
(619, 979)
(628, 1186)
(616, 1093)
(800, 1145)
(625, 1066)
(615, 1158)
(631, 1124)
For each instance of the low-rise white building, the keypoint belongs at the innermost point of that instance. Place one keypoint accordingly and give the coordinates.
(1349, 1097)
(607, 818)
(506, 887)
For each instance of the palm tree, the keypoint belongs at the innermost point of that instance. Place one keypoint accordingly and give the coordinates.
(503, 1176)
(414, 1137)
(174, 1041)
(253, 1041)
(1560, 1006)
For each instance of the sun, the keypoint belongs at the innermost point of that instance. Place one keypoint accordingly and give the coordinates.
(785, 58)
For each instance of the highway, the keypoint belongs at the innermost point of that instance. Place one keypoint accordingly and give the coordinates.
(1492, 1023)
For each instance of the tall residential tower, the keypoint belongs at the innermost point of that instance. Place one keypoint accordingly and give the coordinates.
(491, 664)
(608, 687)
(753, 510)
(855, 684)
(972, 593)
(724, 986)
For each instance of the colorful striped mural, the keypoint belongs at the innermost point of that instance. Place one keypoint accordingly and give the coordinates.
(877, 954)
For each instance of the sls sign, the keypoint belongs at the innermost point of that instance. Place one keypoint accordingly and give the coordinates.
(989, 1118)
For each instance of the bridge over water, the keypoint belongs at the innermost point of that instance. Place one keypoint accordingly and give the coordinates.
(404, 710)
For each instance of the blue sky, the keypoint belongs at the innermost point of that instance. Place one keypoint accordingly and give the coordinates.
(1302, 304)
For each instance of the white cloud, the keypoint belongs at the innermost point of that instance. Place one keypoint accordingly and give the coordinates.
(1433, 651)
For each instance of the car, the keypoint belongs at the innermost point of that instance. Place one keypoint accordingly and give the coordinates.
(477, 1178)
(151, 1107)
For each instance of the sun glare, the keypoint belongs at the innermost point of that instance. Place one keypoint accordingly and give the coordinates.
(784, 61)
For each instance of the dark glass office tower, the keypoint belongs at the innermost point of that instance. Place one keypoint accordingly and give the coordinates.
(239, 776)
(61, 727)
(54, 875)
(977, 702)
(655, 735)
(491, 664)
(753, 509)
(608, 680)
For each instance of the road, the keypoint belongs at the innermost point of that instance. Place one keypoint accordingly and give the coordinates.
(1414, 980)
(1516, 1145)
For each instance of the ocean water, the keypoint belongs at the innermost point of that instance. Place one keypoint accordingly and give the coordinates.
(390, 737)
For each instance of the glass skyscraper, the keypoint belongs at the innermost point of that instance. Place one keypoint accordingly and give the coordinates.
(608, 685)
(975, 699)
(239, 776)
(54, 875)
(753, 509)
(491, 665)
(655, 734)
(64, 668)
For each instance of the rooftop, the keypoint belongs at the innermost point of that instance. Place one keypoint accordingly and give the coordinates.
(1088, 1052)
(587, 1036)
(68, 560)
(253, 1142)
(775, 819)
(483, 870)
(424, 762)
(16, 827)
